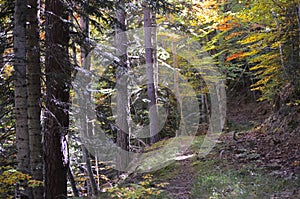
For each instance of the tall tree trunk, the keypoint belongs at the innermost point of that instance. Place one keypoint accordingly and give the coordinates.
(34, 95)
(2, 45)
(154, 45)
(280, 45)
(123, 111)
(58, 73)
(176, 86)
(298, 20)
(88, 127)
(20, 89)
(153, 112)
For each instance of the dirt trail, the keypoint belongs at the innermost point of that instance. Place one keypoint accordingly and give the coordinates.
(180, 186)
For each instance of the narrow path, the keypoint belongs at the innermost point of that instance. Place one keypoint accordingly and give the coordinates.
(181, 185)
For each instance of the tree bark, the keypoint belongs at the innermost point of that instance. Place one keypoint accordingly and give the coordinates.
(34, 95)
(154, 46)
(298, 20)
(153, 112)
(2, 45)
(22, 137)
(123, 111)
(87, 160)
(88, 123)
(58, 73)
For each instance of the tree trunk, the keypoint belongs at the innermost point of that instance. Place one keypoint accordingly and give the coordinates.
(20, 91)
(280, 45)
(88, 123)
(153, 112)
(176, 86)
(87, 160)
(298, 20)
(123, 111)
(34, 95)
(73, 183)
(58, 73)
(2, 45)
(154, 45)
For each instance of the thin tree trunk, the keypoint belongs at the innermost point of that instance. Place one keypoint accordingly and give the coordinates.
(34, 95)
(73, 183)
(176, 85)
(153, 112)
(58, 73)
(298, 19)
(88, 127)
(123, 111)
(20, 91)
(154, 41)
(2, 46)
(89, 170)
(203, 108)
(280, 45)
(1, 56)
(221, 103)
(97, 172)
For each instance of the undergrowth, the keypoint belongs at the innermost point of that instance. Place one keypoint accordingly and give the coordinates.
(216, 180)
(145, 189)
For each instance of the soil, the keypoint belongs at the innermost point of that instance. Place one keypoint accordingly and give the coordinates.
(181, 185)
(268, 140)
(275, 142)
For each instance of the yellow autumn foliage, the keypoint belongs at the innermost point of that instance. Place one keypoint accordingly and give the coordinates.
(9, 178)
(143, 190)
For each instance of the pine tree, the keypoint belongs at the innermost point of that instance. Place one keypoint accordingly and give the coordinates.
(58, 72)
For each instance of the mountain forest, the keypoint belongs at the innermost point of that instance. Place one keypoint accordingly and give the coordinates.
(149, 99)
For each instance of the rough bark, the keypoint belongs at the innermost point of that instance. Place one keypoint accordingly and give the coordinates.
(153, 112)
(20, 91)
(121, 80)
(34, 95)
(58, 72)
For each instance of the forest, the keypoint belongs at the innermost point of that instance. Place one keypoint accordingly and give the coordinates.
(149, 99)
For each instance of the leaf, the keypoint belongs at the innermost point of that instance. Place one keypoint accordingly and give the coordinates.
(235, 56)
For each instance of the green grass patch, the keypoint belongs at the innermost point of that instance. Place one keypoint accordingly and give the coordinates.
(217, 180)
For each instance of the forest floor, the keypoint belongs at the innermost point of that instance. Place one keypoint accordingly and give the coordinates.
(264, 161)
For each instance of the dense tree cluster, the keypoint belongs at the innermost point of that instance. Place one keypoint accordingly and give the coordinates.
(44, 46)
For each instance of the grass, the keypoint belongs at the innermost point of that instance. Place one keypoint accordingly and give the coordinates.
(217, 180)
